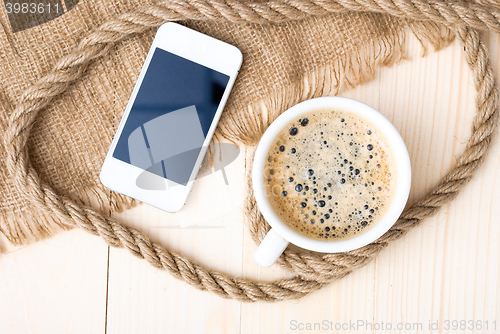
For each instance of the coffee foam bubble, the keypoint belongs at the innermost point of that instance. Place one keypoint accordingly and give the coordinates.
(330, 174)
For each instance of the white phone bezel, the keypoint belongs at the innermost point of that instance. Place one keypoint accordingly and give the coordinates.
(120, 176)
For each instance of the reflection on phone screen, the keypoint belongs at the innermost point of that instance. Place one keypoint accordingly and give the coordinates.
(170, 118)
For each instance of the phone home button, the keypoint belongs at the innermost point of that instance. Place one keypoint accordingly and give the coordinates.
(199, 48)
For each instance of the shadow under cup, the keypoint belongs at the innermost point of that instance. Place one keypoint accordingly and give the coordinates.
(281, 234)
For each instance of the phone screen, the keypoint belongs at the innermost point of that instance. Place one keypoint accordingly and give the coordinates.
(170, 117)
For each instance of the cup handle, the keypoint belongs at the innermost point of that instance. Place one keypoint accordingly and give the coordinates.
(270, 249)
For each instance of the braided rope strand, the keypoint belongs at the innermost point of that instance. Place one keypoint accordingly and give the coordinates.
(313, 270)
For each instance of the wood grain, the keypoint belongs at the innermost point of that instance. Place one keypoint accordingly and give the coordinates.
(446, 269)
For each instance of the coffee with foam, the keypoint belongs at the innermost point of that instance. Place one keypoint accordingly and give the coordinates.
(330, 175)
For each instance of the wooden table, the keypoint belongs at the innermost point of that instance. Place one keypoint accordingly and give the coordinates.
(446, 269)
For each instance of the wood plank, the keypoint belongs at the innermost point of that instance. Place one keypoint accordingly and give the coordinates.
(430, 274)
(445, 269)
(57, 285)
(144, 299)
(438, 271)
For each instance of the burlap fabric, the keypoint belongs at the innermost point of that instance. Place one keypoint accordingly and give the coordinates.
(283, 64)
(292, 51)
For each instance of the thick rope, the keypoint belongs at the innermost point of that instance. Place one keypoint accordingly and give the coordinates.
(313, 270)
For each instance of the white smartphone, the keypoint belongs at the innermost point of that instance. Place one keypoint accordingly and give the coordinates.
(171, 116)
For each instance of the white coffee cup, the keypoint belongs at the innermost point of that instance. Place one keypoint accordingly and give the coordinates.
(281, 235)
